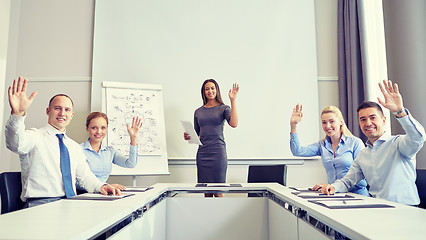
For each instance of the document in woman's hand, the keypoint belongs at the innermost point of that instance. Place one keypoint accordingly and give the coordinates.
(187, 126)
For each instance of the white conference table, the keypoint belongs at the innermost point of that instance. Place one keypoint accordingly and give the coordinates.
(86, 219)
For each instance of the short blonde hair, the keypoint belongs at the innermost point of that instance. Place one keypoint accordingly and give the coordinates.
(343, 128)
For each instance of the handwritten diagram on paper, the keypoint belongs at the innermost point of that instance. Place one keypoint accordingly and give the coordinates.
(124, 104)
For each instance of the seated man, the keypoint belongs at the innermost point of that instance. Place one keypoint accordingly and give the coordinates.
(51, 162)
(388, 162)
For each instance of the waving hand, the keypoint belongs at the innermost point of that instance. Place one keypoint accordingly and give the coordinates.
(18, 100)
(296, 117)
(133, 130)
(393, 99)
(234, 91)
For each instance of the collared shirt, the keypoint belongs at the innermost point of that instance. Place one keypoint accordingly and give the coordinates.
(101, 163)
(389, 165)
(39, 154)
(336, 165)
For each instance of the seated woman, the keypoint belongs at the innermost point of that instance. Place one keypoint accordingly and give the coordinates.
(100, 157)
(337, 150)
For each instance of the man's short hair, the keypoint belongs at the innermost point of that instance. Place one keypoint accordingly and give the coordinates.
(370, 104)
(58, 95)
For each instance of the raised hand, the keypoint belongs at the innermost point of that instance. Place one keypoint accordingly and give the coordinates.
(18, 100)
(297, 115)
(234, 91)
(393, 99)
(133, 130)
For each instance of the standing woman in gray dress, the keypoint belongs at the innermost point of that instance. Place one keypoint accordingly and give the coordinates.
(209, 119)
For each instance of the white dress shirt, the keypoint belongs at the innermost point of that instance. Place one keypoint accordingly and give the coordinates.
(39, 154)
(389, 165)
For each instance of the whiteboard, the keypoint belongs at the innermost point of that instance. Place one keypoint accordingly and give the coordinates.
(123, 101)
(268, 47)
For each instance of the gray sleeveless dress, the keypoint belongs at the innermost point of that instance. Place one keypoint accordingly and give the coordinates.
(212, 161)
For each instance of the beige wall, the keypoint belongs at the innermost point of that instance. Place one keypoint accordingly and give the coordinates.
(406, 52)
(51, 43)
(4, 37)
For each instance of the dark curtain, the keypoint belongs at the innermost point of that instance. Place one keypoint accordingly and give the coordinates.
(350, 70)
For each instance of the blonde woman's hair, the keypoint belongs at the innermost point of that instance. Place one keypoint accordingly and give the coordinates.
(343, 128)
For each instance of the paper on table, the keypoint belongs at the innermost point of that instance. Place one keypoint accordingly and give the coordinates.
(321, 195)
(347, 203)
(218, 185)
(99, 196)
(187, 126)
(302, 189)
(137, 189)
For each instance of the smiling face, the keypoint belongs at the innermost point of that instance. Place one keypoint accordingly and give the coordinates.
(210, 91)
(60, 112)
(331, 124)
(97, 129)
(372, 123)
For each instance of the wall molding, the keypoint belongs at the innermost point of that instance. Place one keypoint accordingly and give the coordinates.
(181, 161)
(320, 79)
(89, 79)
(59, 79)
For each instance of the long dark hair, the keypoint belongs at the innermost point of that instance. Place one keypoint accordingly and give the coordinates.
(203, 93)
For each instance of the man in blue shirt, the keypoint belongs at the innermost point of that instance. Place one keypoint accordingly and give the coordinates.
(388, 162)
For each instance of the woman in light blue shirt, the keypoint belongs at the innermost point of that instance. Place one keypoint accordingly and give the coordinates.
(337, 150)
(101, 157)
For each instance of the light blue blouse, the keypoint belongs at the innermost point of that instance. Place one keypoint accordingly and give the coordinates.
(389, 165)
(101, 163)
(336, 166)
